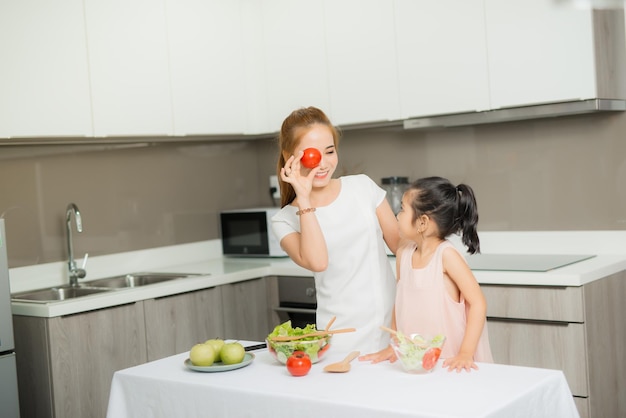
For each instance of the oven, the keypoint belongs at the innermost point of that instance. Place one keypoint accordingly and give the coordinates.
(296, 300)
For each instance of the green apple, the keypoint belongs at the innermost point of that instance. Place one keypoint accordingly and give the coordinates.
(232, 353)
(202, 355)
(217, 345)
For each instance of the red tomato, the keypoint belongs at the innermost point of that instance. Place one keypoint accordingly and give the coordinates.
(299, 363)
(311, 158)
(430, 358)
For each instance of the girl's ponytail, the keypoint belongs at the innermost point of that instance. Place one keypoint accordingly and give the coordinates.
(467, 217)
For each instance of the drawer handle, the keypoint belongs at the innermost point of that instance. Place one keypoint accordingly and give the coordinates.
(294, 310)
(529, 321)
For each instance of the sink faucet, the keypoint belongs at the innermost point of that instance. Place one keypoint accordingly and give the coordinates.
(75, 272)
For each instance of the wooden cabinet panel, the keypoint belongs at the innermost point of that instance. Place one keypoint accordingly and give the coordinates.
(543, 345)
(175, 323)
(535, 302)
(246, 310)
(85, 352)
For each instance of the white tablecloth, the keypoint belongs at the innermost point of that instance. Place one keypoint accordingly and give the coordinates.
(166, 388)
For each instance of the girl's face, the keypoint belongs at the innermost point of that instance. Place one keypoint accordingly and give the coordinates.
(320, 137)
(405, 218)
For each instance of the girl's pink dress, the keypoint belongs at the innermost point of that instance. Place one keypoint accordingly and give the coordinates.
(423, 305)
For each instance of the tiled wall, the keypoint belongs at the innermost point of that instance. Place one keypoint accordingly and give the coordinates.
(552, 174)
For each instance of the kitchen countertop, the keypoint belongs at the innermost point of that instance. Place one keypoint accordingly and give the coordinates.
(205, 258)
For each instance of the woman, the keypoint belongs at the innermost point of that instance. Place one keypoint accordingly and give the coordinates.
(337, 228)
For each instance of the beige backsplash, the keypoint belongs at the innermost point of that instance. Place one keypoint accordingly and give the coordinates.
(552, 174)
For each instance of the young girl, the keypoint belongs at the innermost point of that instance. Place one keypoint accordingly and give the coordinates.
(436, 290)
(337, 228)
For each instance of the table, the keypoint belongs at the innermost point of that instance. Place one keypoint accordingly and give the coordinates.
(264, 388)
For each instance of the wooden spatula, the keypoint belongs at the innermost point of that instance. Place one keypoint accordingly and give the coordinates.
(312, 334)
(344, 365)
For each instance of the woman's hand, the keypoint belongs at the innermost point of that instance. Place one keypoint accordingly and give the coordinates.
(460, 362)
(382, 355)
(292, 173)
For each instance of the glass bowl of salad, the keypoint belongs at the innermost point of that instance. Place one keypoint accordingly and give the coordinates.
(417, 353)
(315, 346)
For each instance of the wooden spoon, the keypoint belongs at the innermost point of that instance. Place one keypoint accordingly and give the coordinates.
(332, 321)
(311, 334)
(389, 330)
(342, 366)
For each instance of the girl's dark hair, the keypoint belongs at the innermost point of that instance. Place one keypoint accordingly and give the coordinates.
(289, 138)
(453, 208)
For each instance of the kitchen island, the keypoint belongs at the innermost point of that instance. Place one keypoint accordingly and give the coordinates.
(264, 388)
(566, 319)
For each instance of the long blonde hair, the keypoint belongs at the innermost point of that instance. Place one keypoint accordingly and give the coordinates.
(288, 141)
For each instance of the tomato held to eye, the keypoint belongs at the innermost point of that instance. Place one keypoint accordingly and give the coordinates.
(299, 363)
(430, 358)
(311, 158)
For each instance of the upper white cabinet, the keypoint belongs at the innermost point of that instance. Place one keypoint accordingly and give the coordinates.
(128, 64)
(295, 60)
(213, 67)
(539, 51)
(442, 56)
(207, 66)
(362, 64)
(44, 79)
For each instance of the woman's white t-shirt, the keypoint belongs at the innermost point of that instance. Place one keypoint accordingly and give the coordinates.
(358, 287)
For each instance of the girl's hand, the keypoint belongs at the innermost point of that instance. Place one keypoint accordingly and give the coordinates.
(382, 355)
(292, 173)
(460, 362)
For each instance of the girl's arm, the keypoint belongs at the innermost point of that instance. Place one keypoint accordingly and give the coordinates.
(456, 268)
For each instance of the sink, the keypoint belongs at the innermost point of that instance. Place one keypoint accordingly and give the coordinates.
(137, 279)
(108, 284)
(56, 294)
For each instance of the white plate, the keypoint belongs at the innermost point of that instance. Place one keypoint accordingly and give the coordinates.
(219, 367)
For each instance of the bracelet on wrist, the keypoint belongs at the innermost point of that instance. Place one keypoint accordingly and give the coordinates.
(303, 211)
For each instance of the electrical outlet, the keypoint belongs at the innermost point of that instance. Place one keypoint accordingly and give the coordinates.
(274, 187)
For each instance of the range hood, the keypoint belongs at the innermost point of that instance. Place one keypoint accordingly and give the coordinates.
(549, 110)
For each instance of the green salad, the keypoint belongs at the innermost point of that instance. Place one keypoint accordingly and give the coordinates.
(307, 344)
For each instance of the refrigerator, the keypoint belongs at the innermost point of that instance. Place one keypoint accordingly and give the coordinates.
(9, 401)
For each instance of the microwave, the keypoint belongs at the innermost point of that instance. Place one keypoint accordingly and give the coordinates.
(248, 233)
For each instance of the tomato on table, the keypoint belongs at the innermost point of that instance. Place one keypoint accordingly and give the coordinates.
(430, 358)
(311, 158)
(299, 363)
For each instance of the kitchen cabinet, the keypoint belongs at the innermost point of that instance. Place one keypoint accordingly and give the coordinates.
(442, 57)
(175, 323)
(362, 61)
(294, 58)
(207, 64)
(44, 77)
(575, 329)
(543, 51)
(128, 67)
(66, 363)
(248, 313)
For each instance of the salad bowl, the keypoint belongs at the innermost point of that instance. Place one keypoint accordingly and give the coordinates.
(315, 346)
(418, 354)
